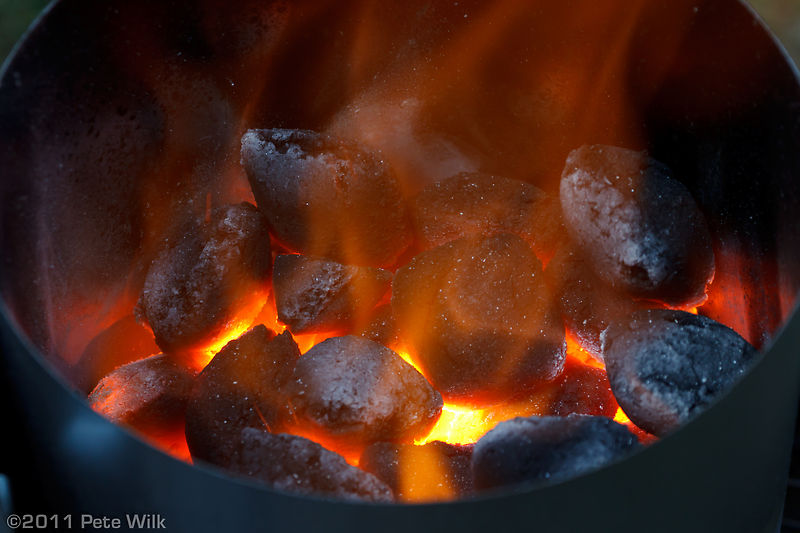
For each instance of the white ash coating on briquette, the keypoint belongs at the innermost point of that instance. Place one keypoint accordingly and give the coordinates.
(194, 288)
(313, 294)
(150, 394)
(472, 203)
(665, 366)
(640, 228)
(326, 197)
(548, 449)
(244, 385)
(298, 465)
(355, 392)
(588, 304)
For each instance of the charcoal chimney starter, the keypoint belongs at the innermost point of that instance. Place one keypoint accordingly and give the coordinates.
(122, 126)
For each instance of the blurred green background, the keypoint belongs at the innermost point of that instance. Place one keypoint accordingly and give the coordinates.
(15, 16)
(783, 16)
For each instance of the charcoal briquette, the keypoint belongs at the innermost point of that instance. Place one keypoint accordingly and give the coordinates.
(214, 278)
(315, 295)
(436, 470)
(581, 389)
(665, 366)
(479, 319)
(325, 197)
(243, 386)
(472, 203)
(639, 227)
(381, 327)
(537, 449)
(588, 304)
(149, 395)
(298, 465)
(352, 392)
(125, 341)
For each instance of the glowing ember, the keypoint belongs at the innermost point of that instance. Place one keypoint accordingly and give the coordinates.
(423, 478)
(269, 317)
(460, 425)
(408, 359)
(207, 354)
(457, 425)
(575, 350)
(621, 418)
(173, 444)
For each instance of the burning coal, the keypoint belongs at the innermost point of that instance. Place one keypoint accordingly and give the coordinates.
(476, 334)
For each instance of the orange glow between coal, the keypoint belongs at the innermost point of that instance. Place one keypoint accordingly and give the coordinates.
(248, 313)
(459, 425)
(465, 425)
(456, 425)
(269, 317)
(207, 354)
(621, 418)
(576, 351)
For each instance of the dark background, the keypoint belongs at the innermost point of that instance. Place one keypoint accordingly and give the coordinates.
(15, 16)
(783, 16)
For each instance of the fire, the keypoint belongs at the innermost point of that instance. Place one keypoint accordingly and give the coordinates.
(457, 424)
(466, 425)
(460, 425)
(422, 477)
(351, 455)
(621, 418)
(207, 354)
(408, 359)
(248, 312)
(269, 317)
(171, 443)
(576, 351)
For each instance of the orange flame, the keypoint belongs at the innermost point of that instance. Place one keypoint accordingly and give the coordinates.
(578, 352)
(205, 355)
(459, 425)
(621, 418)
(422, 476)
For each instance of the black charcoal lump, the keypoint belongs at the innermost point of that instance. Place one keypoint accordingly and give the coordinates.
(149, 395)
(666, 366)
(243, 386)
(326, 197)
(320, 295)
(479, 318)
(355, 392)
(640, 227)
(200, 285)
(548, 449)
(481, 204)
(298, 465)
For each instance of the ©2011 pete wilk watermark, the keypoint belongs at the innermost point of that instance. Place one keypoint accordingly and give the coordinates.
(138, 521)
